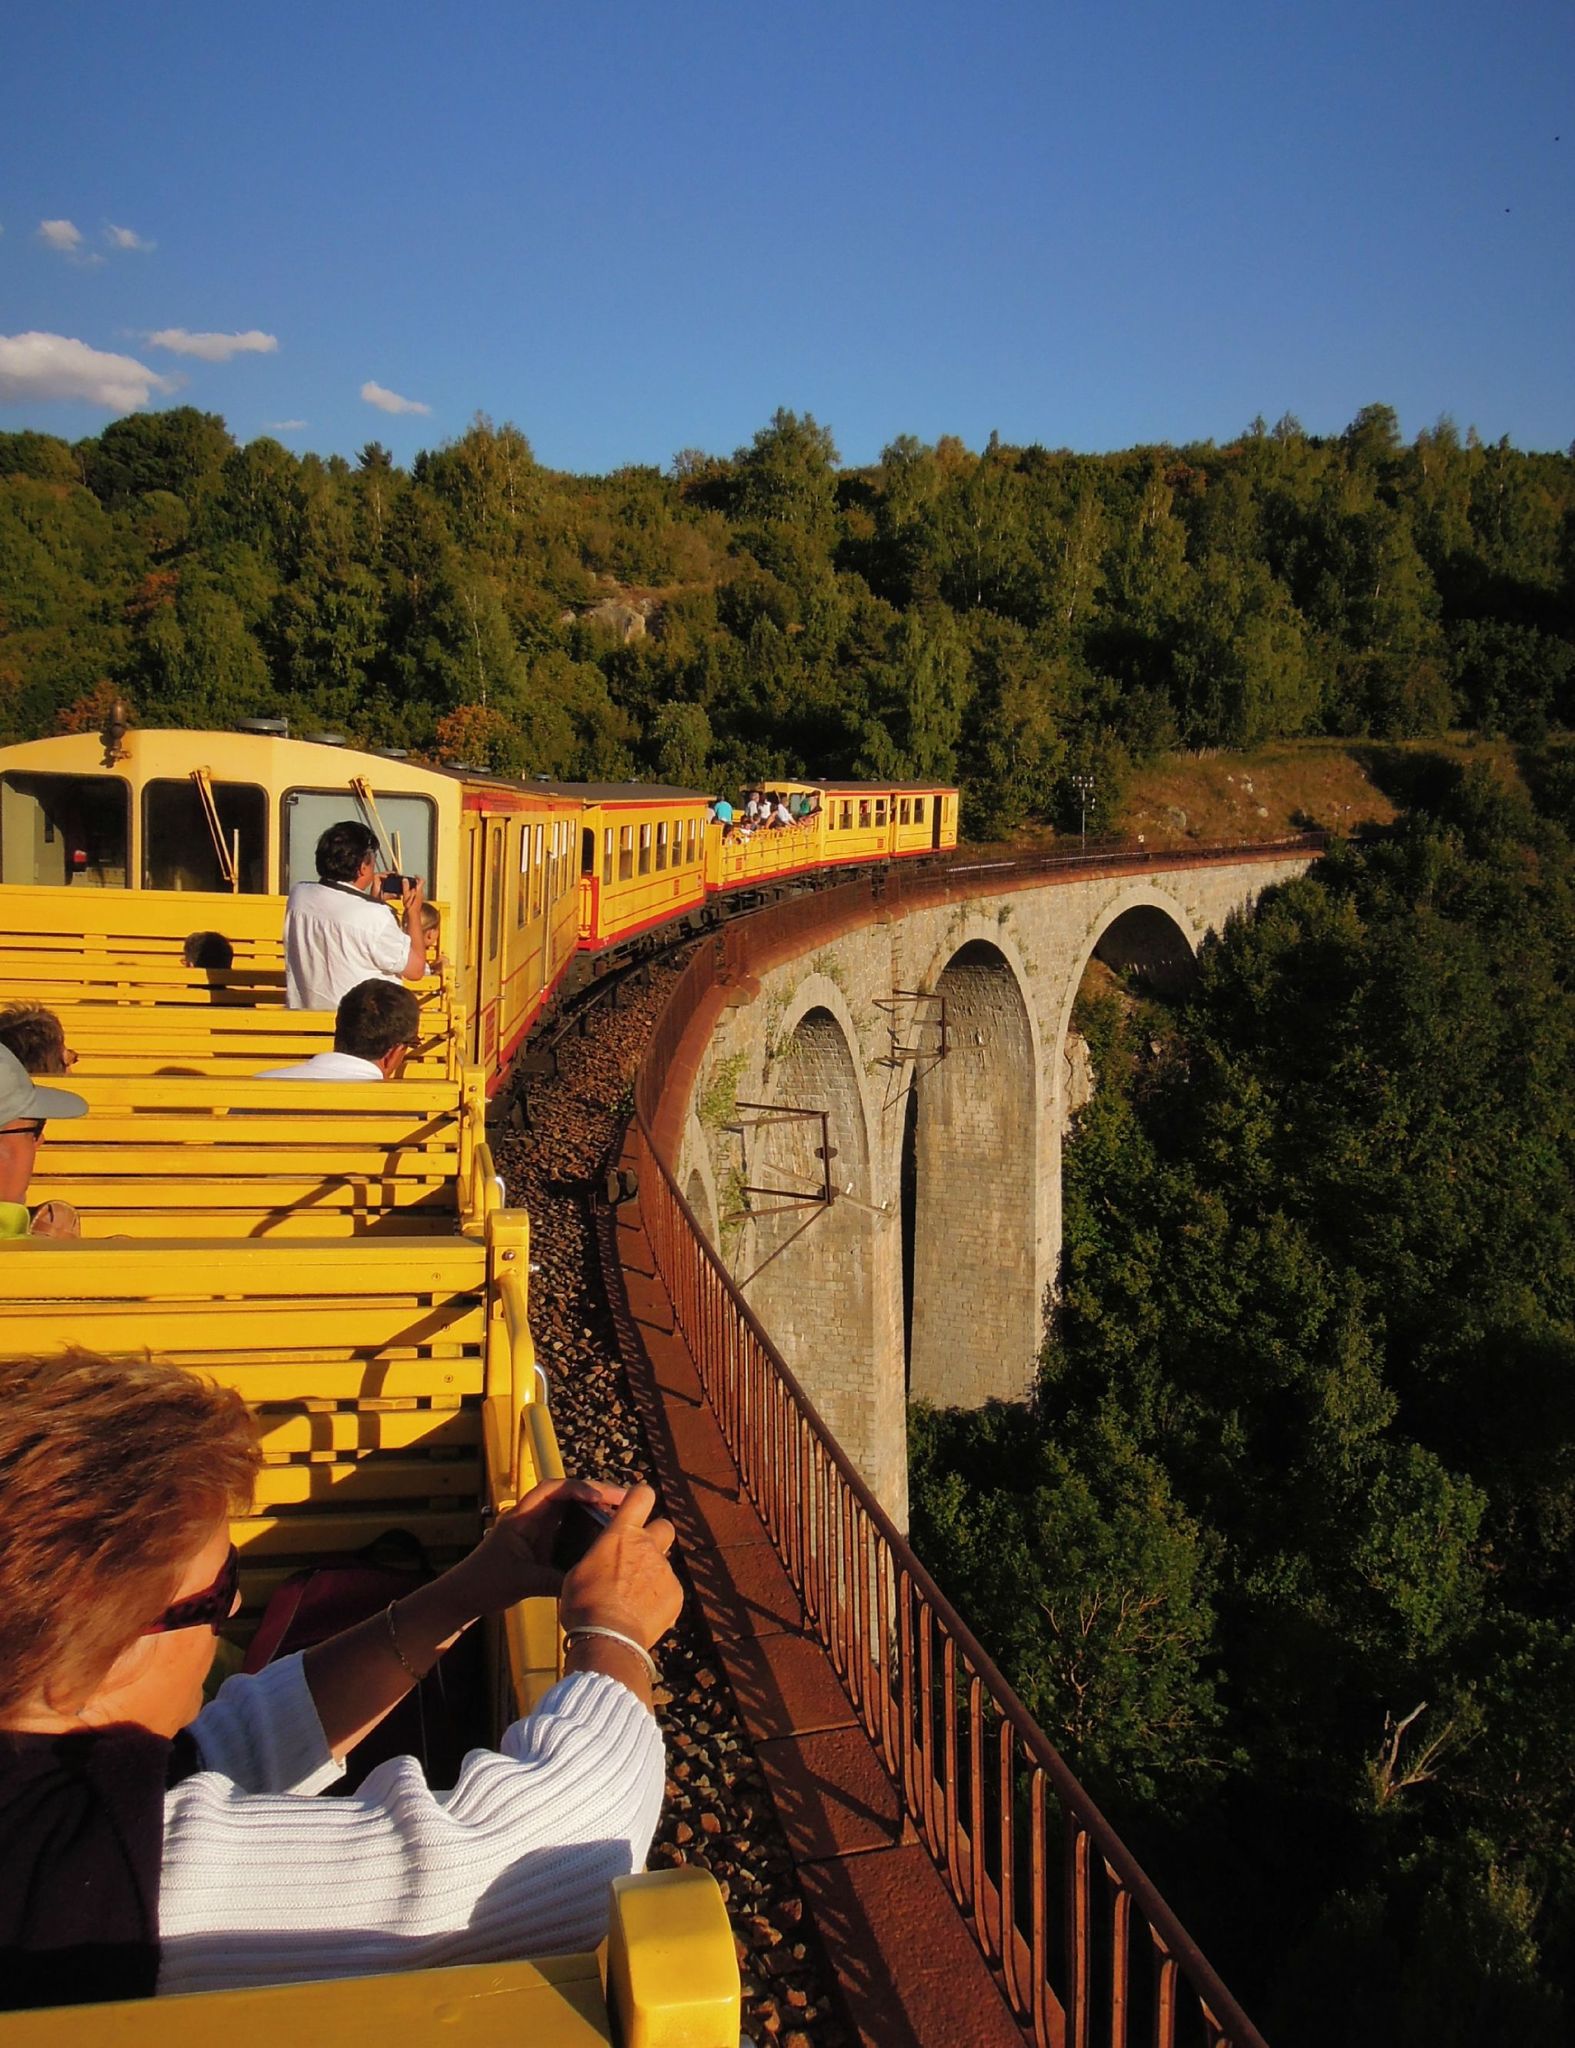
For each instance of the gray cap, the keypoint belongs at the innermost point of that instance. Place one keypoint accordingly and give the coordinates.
(21, 1096)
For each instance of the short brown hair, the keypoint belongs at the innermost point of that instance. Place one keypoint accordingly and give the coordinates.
(36, 1036)
(375, 1017)
(112, 1474)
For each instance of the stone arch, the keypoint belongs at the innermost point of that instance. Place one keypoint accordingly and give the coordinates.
(811, 1268)
(1143, 931)
(970, 1186)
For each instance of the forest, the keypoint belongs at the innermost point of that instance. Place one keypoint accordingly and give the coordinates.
(1283, 1555)
(1008, 618)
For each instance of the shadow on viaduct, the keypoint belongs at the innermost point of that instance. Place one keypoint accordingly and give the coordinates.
(869, 1123)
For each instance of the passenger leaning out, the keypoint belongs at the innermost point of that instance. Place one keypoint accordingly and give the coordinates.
(24, 1110)
(339, 929)
(376, 1028)
(151, 1843)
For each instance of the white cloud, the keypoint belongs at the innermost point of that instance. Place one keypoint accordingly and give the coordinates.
(63, 236)
(390, 401)
(284, 426)
(126, 238)
(214, 348)
(34, 366)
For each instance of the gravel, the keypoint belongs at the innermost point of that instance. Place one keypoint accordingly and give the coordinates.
(718, 1813)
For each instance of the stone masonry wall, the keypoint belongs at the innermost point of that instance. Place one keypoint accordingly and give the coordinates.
(988, 1136)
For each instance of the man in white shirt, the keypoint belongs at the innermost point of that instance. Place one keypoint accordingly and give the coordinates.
(338, 929)
(376, 1026)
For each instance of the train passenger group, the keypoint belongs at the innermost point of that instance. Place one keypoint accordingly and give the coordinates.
(764, 811)
(150, 1843)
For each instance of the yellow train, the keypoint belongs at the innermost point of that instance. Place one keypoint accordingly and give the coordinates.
(208, 830)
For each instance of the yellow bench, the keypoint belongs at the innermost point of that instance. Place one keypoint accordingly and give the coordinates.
(241, 1042)
(366, 1365)
(666, 1977)
(255, 1158)
(394, 1382)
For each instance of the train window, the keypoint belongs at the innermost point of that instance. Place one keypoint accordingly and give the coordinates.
(864, 813)
(522, 893)
(902, 812)
(694, 840)
(177, 836)
(880, 810)
(918, 810)
(588, 851)
(645, 849)
(625, 853)
(847, 816)
(607, 853)
(410, 823)
(60, 830)
(495, 892)
(536, 892)
(661, 847)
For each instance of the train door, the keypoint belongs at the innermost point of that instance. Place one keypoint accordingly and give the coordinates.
(937, 805)
(487, 933)
(467, 913)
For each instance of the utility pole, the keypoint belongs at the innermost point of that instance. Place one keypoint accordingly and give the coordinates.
(1084, 785)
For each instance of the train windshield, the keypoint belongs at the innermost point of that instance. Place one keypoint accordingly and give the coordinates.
(408, 822)
(59, 830)
(182, 838)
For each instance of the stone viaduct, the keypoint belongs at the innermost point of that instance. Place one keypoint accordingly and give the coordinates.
(869, 1116)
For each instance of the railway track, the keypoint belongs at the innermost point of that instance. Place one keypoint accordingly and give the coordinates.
(718, 1813)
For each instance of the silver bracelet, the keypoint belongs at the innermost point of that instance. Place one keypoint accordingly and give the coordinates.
(393, 1642)
(612, 1635)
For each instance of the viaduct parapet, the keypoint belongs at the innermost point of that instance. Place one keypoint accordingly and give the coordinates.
(868, 1108)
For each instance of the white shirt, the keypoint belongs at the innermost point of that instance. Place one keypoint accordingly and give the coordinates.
(263, 1884)
(328, 1066)
(334, 939)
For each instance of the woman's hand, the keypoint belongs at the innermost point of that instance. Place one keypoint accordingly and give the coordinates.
(624, 1580)
(513, 1560)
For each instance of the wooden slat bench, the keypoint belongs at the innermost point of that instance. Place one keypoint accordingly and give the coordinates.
(109, 1039)
(366, 1365)
(669, 1979)
(158, 1155)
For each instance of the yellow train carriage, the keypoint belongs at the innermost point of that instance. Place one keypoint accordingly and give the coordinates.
(884, 820)
(131, 840)
(643, 854)
(849, 823)
(520, 909)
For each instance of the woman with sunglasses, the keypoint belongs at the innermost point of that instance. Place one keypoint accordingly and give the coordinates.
(150, 1843)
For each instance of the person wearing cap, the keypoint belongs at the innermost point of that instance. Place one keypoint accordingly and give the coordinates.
(24, 1110)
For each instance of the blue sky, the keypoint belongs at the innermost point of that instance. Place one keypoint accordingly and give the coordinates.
(632, 229)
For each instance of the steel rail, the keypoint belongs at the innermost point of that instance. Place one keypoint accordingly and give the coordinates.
(1014, 1836)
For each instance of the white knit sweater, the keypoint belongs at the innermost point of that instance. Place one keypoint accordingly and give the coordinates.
(263, 1884)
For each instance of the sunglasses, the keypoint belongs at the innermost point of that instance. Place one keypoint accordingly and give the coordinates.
(30, 1127)
(214, 1606)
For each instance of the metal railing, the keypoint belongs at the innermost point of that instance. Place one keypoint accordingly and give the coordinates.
(1082, 1944)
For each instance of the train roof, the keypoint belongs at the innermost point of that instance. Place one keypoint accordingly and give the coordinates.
(623, 792)
(843, 787)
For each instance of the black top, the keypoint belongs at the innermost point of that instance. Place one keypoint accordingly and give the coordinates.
(81, 1842)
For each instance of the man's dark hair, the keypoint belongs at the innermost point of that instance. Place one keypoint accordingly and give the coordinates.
(342, 849)
(375, 1017)
(208, 949)
(35, 1037)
